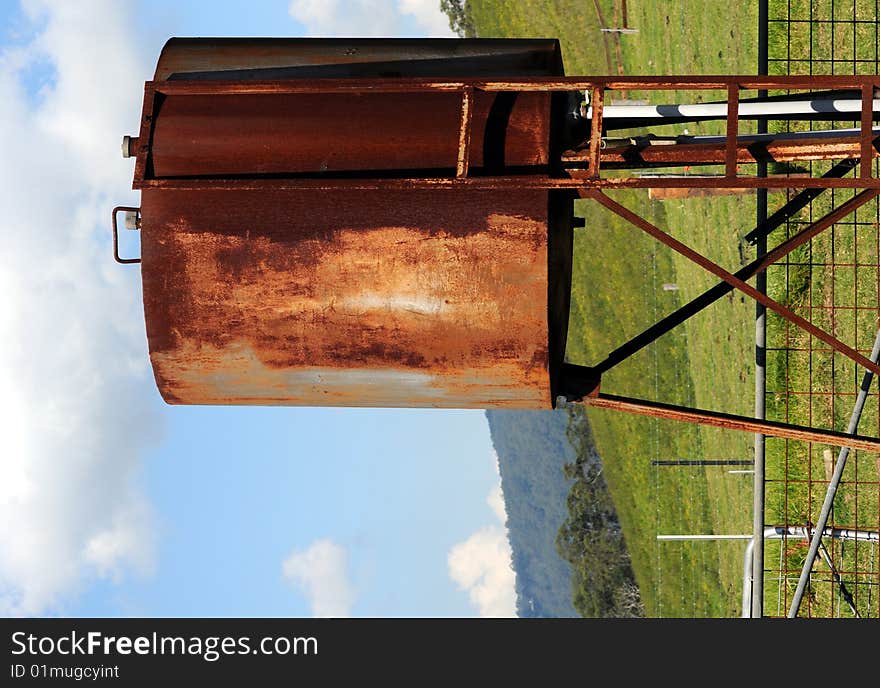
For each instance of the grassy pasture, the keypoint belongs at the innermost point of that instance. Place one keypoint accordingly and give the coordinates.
(618, 290)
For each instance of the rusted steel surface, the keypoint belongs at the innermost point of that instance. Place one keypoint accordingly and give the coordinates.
(141, 153)
(735, 282)
(384, 296)
(348, 298)
(623, 156)
(527, 84)
(574, 182)
(464, 133)
(731, 422)
(867, 152)
(325, 133)
(730, 153)
(597, 101)
(264, 128)
(249, 58)
(579, 182)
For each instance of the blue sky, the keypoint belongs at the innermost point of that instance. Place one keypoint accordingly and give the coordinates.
(111, 502)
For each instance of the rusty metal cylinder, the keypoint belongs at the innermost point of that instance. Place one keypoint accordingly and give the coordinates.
(441, 297)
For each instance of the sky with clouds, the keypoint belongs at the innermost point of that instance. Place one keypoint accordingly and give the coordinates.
(114, 504)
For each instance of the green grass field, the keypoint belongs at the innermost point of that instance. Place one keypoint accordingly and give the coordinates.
(618, 291)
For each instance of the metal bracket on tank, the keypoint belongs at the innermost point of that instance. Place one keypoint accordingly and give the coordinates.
(578, 382)
(133, 222)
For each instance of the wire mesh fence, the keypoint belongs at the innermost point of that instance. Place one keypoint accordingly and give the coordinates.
(833, 281)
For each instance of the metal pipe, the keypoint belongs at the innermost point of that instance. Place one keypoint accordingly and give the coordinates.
(744, 110)
(701, 462)
(757, 595)
(756, 545)
(749, 578)
(831, 492)
(746, 536)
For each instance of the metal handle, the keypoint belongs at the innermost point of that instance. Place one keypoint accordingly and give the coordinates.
(116, 237)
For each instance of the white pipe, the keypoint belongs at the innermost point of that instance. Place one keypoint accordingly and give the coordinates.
(747, 573)
(776, 532)
(719, 110)
(704, 537)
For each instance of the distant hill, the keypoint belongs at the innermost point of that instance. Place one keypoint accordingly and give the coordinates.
(532, 450)
(557, 500)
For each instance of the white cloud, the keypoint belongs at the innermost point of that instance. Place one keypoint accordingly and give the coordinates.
(495, 500)
(376, 18)
(321, 572)
(427, 15)
(74, 377)
(481, 565)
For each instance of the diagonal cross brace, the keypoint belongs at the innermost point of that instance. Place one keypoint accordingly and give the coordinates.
(731, 279)
(714, 293)
(656, 409)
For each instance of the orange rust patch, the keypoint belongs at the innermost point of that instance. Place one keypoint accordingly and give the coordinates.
(453, 314)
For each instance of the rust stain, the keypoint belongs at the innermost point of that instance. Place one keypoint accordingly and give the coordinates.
(326, 133)
(333, 306)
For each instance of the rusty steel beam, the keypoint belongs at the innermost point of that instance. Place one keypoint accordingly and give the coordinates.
(732, 131)
(712, 294)
(867, 131)
(687, 182)
(145, 136)
(629, 156)
(733, 280)
(731, 422)
(597, 101)
(812, 230)
(722, 82)
(464, 133)
(546, 83)
(800, 201)
(507, 182)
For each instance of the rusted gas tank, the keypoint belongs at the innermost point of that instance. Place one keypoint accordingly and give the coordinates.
(272, 274)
